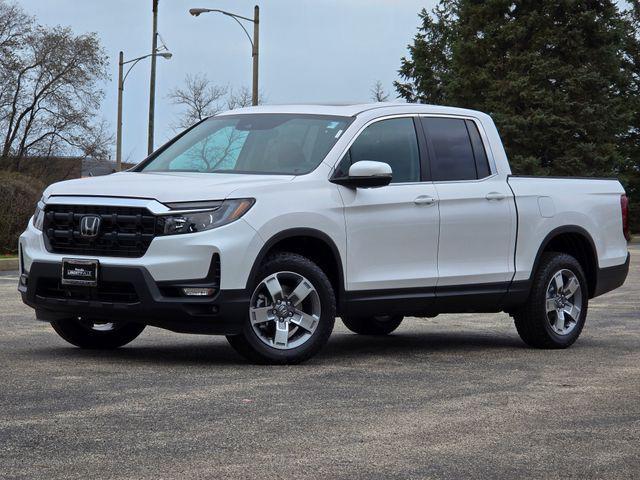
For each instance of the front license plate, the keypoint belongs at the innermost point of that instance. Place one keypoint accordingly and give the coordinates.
(79, 272)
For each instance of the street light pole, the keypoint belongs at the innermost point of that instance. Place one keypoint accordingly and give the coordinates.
(119, 124)
(121, 80)
(256, 27)
(152, 81)
(254, 42)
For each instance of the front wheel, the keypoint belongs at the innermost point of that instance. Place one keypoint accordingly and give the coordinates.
(291, 312)
(556, 309)
(377, 325)
(86, 333)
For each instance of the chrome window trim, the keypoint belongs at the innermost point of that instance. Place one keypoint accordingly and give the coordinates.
(477, 180)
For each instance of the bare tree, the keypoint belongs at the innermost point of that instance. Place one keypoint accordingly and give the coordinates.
(199, 99)
(242, 97)
(50, 89)
(378, 93)
(15, 25)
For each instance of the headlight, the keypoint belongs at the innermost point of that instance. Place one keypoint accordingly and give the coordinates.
(38, 216)
(203, 215)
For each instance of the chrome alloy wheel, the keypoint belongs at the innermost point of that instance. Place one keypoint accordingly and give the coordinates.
(284, 310)
(564, 302)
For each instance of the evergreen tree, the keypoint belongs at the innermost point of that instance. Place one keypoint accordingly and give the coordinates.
(430, 63)
(559, 77)
(631, 170)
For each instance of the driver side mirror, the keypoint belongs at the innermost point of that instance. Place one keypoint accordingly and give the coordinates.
(366, 174)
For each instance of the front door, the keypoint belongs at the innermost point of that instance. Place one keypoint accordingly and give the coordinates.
(392, 231)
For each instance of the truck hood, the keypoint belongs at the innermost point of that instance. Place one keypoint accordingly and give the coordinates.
(164, 186)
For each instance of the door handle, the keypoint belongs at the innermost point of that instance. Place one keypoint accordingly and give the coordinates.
(424, 200)
(495, 196)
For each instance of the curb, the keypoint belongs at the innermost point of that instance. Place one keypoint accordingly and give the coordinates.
(7, 264)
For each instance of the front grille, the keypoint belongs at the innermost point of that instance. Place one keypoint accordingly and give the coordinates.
(110, 292)
(124, 231)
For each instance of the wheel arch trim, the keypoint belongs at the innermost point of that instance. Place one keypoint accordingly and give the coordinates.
(299, 232)
(567, 229)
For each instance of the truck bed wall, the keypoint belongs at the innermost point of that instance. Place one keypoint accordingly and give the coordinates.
(545, 204)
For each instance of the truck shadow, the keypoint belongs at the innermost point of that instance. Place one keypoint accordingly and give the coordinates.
(341, 347)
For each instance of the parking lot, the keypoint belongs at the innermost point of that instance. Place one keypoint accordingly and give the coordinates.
(450, 397)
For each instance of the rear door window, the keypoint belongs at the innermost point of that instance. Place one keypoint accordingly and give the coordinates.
(457, 152)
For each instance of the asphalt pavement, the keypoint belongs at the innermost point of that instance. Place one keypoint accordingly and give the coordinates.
(457, 396)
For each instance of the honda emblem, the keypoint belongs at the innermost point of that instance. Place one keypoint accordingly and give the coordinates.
(90, 226)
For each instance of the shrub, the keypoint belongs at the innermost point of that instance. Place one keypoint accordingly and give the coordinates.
(18, 197)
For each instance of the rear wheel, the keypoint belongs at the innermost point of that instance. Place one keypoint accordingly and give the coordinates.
(555, 312)
(96, 334)
(291, 313)
(377, 325)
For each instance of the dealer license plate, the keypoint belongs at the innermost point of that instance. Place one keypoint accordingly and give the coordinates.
(79, 272)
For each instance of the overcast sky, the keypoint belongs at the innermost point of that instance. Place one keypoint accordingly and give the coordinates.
(310, 50)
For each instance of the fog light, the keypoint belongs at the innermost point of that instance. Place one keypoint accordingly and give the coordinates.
(24, 279)
(198, 292)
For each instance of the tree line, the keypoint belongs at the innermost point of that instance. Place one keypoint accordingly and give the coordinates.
(560, 78)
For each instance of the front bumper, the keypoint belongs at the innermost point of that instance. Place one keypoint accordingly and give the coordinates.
(129, 293)
(172, 257)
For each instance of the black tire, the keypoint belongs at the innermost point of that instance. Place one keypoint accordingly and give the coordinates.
(532, 323)
(81, 334)
(378, 325)
(252, 348)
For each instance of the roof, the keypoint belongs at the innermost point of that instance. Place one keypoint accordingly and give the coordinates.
(350, 110)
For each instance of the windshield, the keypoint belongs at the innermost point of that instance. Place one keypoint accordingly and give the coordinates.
(290, 144)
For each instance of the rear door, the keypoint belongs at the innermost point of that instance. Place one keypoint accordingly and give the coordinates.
(477, 214)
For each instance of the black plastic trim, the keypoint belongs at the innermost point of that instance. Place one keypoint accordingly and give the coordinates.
(223, 313)
(401, 301)
(516, 296)
(431, 301)
(610, 278)
(133, 242)
(299, 232)
(362, 182)
(482, 297)
(423, 147)
(559, 231)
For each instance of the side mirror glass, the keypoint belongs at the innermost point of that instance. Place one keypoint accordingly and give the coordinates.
(366, 174)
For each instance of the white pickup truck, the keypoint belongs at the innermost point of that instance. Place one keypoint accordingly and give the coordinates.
(264, 224)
